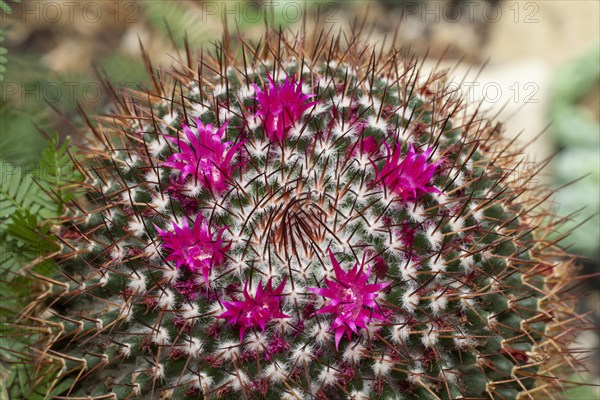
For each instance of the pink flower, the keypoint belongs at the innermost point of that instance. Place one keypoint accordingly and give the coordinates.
(408, 177)
(281, 106)
(365, 146)
(197, 248)
(352, 299)
(204, 156)
(255, 310)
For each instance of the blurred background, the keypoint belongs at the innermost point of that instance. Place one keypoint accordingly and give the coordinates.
(535, 63)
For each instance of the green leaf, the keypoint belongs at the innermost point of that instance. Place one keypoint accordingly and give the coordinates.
(6, 9)
(19, 191)
(5, 6)
(16, 128)
(56, 171)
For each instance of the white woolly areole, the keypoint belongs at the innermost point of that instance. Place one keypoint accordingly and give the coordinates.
(302, 354)
(171, 274)
(430, 337)
(167, 300)
(449, 375)
(400, 333)
(170, 117)
(239, 380)
(467, 263)
(462, 342)
(126, 312)
(117, 253)
(104, 279)
(137, 282)
(367, 101)
(153, 176)
(130, 194)
(190, 311)
(319, 108)
(434, 237)
(320, 333)
(136, 227)
(294, 294)
(408, 270)
(341, 101)
(382, 365)
(193, 187)
(457, 224)
(466, 299)
(253, 122)
(477, 213)
(158, 371)
(441, 198)
(256, 342)
(219, 90)
(229, 350)
(438, 302)
(438, 265)
(108, 215)
(216, 308)
(225, 113)
(199, 109)
(136, 390)
(359, 395)
(160, 336)
(299, 129)
(125, 350)
(410, 299)
(416, 213)
(283, 324)
(157, 146)
(152, 251)
(292, 394)
(203, 381)
(327, 376)
(276, 372)
(246, 91)
(105, 188)
(370, 329)
(354, 352)
(160, 203)
(377, 123)
(404, 111)
(194, 347)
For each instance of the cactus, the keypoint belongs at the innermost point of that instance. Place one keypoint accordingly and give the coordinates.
(305, 222)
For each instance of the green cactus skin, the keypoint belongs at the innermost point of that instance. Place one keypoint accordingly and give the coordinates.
(471, 282)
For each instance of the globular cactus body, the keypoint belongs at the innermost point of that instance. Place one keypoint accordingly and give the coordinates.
(301, 227)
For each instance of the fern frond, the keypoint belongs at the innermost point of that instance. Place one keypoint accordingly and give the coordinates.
(6, 8)
(28, 202)
(20, 192)
(56, 173)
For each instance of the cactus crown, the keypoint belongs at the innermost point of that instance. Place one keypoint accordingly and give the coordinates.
(299, 222)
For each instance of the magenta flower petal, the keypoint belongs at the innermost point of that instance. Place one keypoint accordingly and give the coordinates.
(204, 157)
(196, 248)
(255, 310)
(351, 299)
(410, 176)
(281, 106)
